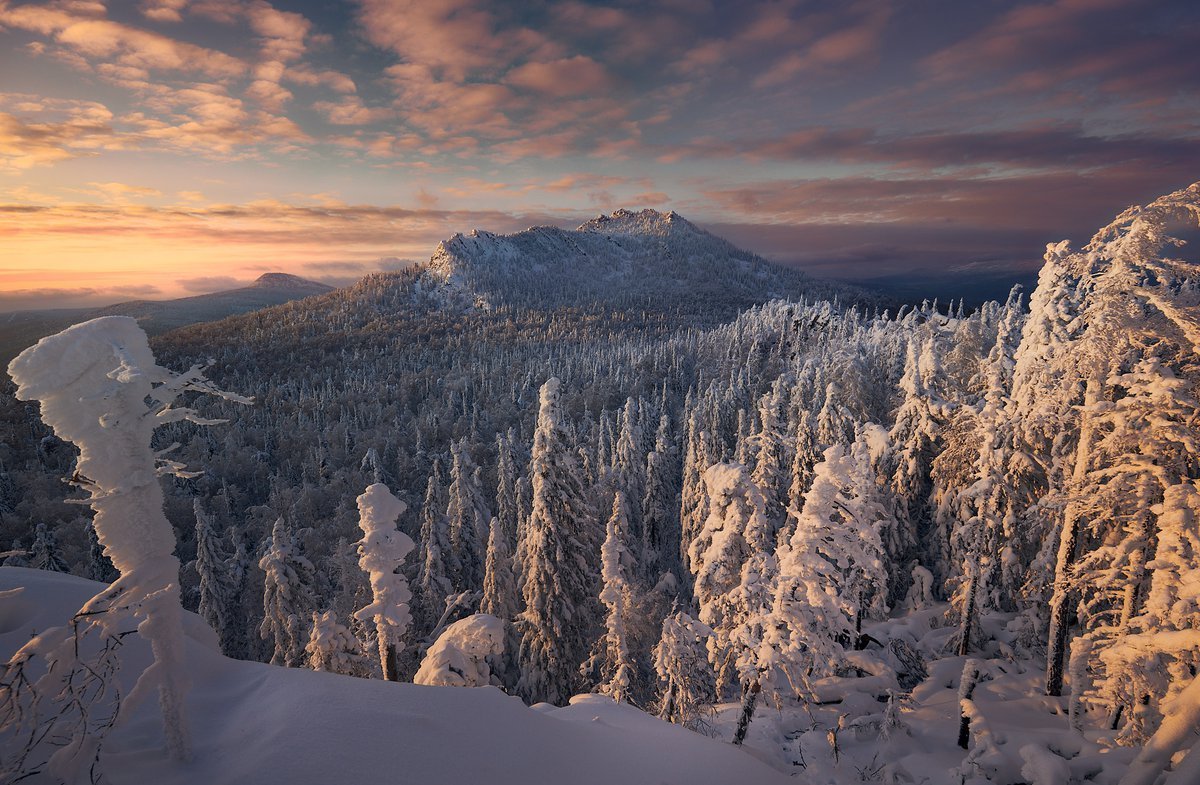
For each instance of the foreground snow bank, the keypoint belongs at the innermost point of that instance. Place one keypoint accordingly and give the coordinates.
(263, 724)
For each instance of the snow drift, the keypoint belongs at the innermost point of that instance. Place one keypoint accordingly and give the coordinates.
(264, 724)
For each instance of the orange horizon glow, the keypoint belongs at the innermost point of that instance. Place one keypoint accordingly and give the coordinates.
(172, 147)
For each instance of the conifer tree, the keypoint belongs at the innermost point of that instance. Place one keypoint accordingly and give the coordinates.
(501, 598)
(612, 661)
(681, 662)
(287, 597)
(381, 553)
(44, 554)
(558, 617)
(467, 519)
(216, 592)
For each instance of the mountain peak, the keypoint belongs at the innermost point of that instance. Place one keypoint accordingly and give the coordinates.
(643, 222)
(287, 281)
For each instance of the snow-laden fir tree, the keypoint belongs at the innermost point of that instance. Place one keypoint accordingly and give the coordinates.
(44, 554)
(464, 654)
(502, 599)
(736, 532)
(381, 553)
(433, 577)
(660, 522)
(769, 455)
(831, 571)
(506, 486)
(989, 545)
(287, 597)
(216, 591)
(558, 619)
(467, 517)
(612, 663)
(629, 461)
(332, 647)
(916, 437)
(681, 663)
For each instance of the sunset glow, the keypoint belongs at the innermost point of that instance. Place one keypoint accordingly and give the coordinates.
(169, 147)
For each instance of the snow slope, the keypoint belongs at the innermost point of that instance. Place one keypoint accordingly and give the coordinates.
(255, 723)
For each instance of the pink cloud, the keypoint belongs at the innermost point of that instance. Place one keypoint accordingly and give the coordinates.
(99, 38)
(569, 76)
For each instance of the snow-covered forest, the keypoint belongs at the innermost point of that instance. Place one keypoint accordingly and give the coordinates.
(929, 544)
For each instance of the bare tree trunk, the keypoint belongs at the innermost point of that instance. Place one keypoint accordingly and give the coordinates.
(1068, 544)
(391, 671)
(966, 691)
(967, 622)
(749, 701)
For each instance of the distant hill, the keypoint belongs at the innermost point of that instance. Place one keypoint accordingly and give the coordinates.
(20, 329)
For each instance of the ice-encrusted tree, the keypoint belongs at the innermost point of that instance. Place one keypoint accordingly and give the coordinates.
(681, 662)
(433, 576)
(916, 437)
(769, 469)
(100, 387)
(660, 523)
(287, 596)
(216, 589)
(736, 533)
(381, 553)
(832, 571)
(629, 460)
(467, 517)
(559, 616)
(44, 554)
(464, 654)
(332, 647)
(506, 486)
(502, 599)
(612, 662)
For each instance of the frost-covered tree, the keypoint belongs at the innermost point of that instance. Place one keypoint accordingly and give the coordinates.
(916, 437)
(507, 476)
(501, 598)
(433, 578)
(612, 662)
(467, 517)
(216, 590)
(770, 469)
(463, 655)
(558, 617)
(660, 520)
(381, 553)
(729, 560)
(629, 460)
(44, 554)
(681, 662)
(287, 597)
(332, 647)
(831, 571)
(100, 387)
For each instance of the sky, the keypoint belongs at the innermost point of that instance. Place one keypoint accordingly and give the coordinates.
(160, 148)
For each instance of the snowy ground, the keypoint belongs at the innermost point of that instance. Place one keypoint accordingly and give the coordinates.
(263, 724)
(1020, 736)
(254, 723)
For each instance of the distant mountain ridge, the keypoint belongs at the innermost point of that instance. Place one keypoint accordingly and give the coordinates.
(628, 258)
(23, 328)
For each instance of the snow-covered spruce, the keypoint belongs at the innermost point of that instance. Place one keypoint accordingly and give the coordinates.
(464, 655)
(381, 552)
(100, 388)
